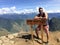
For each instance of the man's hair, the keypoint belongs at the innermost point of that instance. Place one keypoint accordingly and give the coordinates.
(40, 8)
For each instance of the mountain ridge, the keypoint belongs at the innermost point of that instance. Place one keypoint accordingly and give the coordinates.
(26, 16)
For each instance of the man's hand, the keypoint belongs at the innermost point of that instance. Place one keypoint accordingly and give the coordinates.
(39, 18)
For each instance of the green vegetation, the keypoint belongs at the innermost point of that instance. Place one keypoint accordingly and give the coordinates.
(54, 24)
(11, 26)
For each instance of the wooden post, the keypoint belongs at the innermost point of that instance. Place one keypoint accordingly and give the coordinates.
(42, 33)
(32, 38)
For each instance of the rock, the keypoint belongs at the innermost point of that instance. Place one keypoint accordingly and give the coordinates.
(12, 42)
(3, 37)
(6, 40)
(15, 35)
(10, 36)
(6, 44)
(58, 39)
(1, 41)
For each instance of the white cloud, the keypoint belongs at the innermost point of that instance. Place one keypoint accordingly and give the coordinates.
(26, 11)
(53, 11)
(7, 10)
(13, 9)
(50, 11)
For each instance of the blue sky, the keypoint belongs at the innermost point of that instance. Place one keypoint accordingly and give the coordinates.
(49, 5)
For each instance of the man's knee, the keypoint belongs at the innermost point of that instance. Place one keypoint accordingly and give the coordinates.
(46, 29)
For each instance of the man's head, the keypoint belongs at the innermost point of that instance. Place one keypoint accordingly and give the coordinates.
(40, 10)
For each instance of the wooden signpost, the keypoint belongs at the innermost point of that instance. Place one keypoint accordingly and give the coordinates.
(36, 22)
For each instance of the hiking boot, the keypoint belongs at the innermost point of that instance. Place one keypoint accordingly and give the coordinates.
(37, 37)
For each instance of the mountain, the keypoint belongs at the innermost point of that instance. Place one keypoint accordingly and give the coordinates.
(26, 16)
(18, 16)
(51, 15)
(54, 24)
(11, 23)
(12, 26)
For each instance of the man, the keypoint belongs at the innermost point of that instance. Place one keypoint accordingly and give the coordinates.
(42, 15)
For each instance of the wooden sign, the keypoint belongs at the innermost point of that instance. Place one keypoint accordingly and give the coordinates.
(32, 22)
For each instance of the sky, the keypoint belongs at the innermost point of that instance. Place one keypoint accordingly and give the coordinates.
(28, 6)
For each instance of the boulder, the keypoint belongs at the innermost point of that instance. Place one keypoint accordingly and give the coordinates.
(15, 35)
(10, 36)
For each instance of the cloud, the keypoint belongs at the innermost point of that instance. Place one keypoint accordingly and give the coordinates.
(53, 11)
(7, 10)
(13, 9)
(26, 11)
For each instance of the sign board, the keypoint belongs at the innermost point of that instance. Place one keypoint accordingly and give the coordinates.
(32, 22)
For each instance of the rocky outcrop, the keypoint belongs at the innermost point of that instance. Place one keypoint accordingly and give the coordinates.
(11, 36)
(21, 39)
(7, 40)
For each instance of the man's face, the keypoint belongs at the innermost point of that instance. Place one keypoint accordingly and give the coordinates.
(40, 10)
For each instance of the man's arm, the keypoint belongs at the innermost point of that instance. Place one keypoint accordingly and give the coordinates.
(36, 17)
(46, 16)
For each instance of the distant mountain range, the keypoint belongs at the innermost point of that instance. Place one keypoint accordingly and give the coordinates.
(26, 16)
(18, 16)
(11, 23)
(56, 15)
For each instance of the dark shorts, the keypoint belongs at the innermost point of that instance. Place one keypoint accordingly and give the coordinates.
(45, 27)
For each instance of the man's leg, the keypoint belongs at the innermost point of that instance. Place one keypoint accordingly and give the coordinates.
(46, 28)
(37, 31)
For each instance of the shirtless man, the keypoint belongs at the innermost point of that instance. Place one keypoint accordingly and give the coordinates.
(42, 15)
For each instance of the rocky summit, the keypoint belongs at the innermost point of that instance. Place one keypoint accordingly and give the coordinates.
(24, 38)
